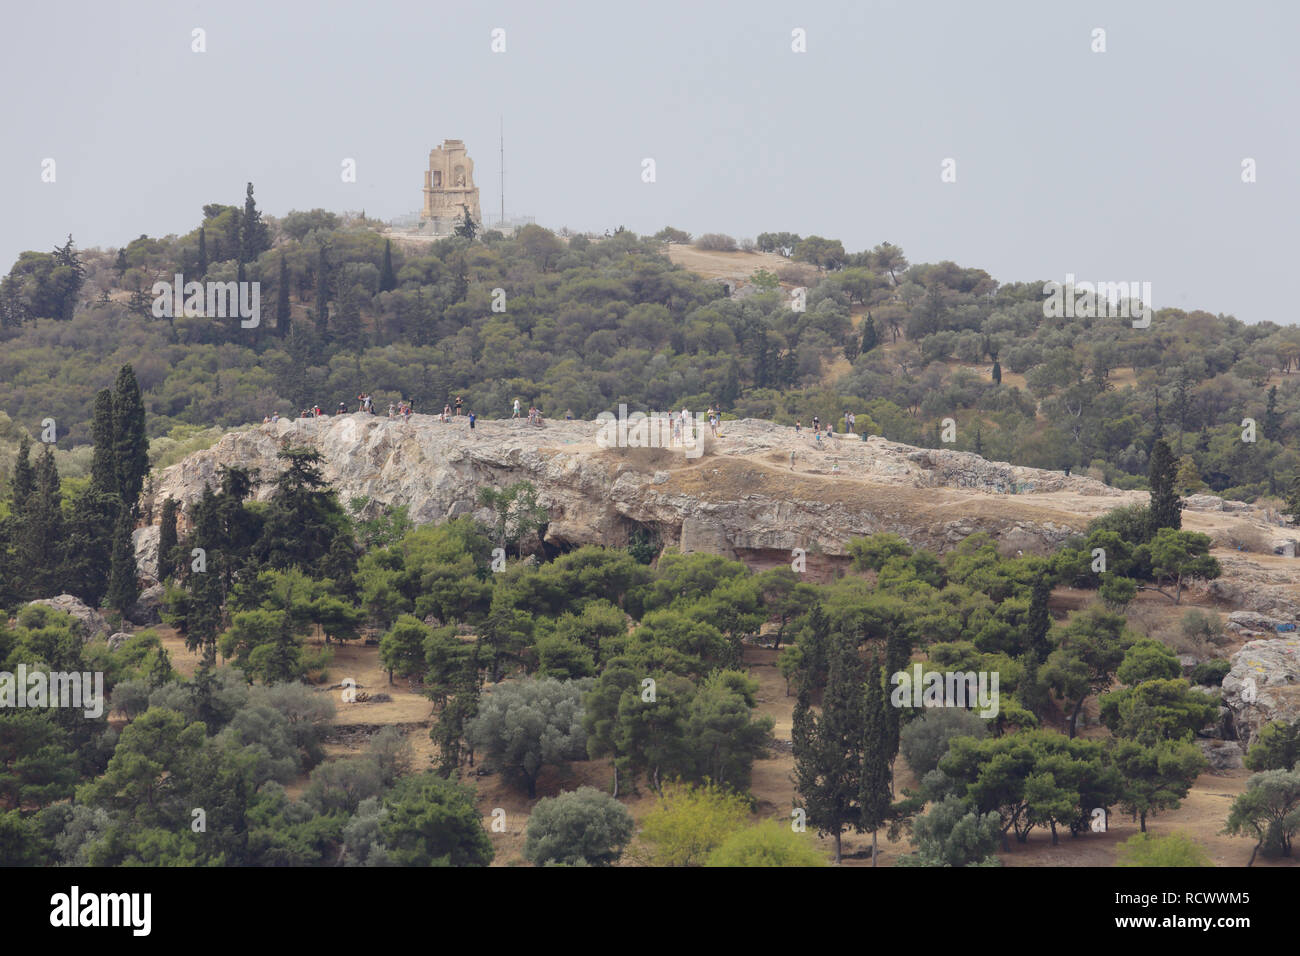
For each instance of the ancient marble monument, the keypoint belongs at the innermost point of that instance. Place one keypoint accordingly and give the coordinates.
(449, 188)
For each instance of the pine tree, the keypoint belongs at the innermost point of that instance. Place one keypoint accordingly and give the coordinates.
(203, 253)
(120, 266)
(876, 789)
(254, 236)
(122, 585)
(1166, 508)
(828, 747)
(466, 228)
(282, 313)
(387, 280)
(130, 442)
(870, 334)
(167, 539)
(67, 255)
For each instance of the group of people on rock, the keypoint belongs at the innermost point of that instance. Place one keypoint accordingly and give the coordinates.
(534, 413)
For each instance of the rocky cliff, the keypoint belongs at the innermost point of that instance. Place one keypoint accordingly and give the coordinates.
(740, 498)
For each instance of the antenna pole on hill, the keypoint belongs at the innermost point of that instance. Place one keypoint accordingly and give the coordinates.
(503, 172)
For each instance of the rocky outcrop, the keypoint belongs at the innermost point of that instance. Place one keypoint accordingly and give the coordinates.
(88, 623)
(1263, 686)
(147, 608)
(740, 498)
(1223, 755)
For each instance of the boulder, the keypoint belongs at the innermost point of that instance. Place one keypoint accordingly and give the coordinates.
(117, 640)
(147, 609)
(89, 623)
(1224, 755)
(1263, 686)
(1253, 622)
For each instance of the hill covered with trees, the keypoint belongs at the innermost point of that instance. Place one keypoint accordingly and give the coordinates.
(582, 324)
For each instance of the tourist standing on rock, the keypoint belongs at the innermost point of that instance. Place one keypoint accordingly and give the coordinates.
(798, 427)
(515, 414)
(568, 414)
(472, 419)
(343, 408)
(458, 405)
(390, 409)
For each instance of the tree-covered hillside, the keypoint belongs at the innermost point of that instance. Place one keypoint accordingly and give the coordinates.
(582, 324)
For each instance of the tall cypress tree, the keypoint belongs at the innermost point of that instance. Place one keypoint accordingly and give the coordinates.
(123, 588)
(348, 332)
(103, 466)
(95, 514)
(130, 442)
(1039, 621)
(898, 652)
(870, 334)
(24, 480)
(828, 747)
(203, 620)
(203, 253)
(1166, 508)
(282, 313)
(387, 280)
(1272, 420)
(322, 314)
(997, 372)
(877, 777)
(39, 536)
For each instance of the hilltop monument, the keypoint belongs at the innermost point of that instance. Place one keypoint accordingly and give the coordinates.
(449, 188)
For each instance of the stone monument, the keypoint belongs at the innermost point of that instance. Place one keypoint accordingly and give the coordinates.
(449, 188)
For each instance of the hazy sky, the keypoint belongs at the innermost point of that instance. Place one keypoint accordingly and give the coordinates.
(1122, 165)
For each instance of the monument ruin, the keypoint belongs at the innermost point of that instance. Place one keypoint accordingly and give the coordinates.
(449, 189)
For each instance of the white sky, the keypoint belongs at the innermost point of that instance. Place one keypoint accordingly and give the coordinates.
(1123, 165)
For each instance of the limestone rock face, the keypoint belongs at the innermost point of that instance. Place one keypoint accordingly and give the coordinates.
(1223, 755)
(90, 624)
(1263, 686)
(145, 542)
(738, 497)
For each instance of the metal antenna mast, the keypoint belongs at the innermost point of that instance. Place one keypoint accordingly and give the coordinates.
(503, 171)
